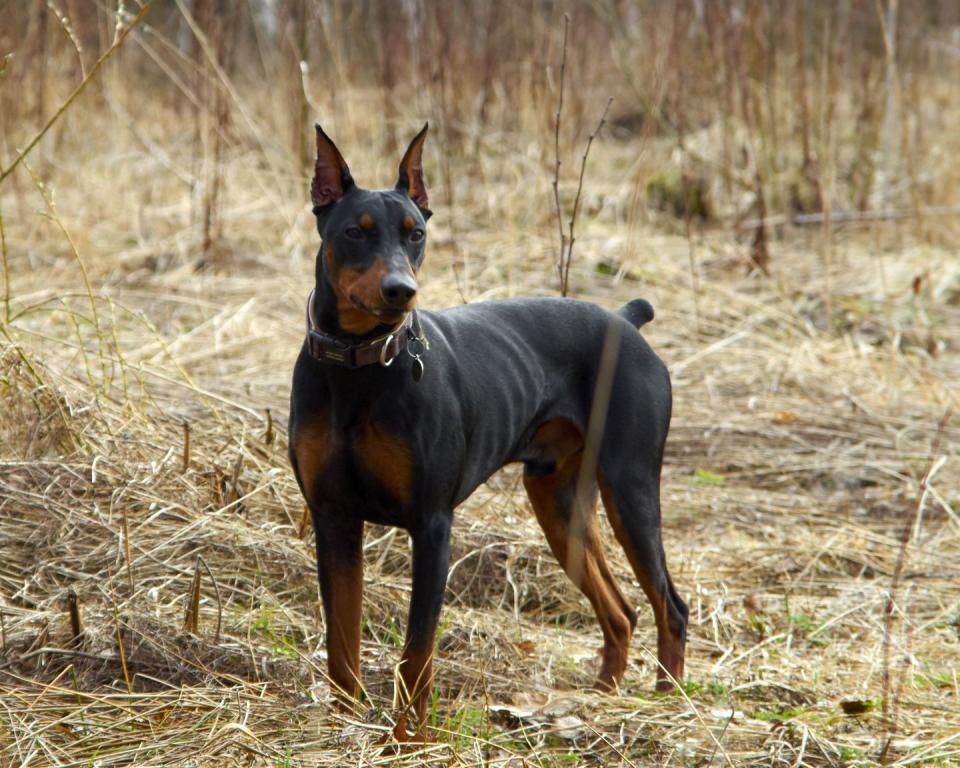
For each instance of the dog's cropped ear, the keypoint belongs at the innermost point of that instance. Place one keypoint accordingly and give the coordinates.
(331, 177)
(410, 179)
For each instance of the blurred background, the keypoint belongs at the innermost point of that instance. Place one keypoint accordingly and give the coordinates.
(724, 112)
(779, 178)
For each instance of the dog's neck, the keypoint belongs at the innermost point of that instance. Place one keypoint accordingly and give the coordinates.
(323, 308)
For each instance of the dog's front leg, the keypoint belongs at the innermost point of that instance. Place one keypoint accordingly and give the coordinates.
(431, 561)
(340, 568)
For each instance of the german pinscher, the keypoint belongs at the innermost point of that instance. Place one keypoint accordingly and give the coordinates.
(397, 415)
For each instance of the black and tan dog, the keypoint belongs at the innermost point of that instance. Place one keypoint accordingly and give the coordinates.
(398, 415)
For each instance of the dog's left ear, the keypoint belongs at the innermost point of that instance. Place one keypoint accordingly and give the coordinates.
(410, 179)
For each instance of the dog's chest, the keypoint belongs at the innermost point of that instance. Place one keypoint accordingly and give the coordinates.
(363, 466)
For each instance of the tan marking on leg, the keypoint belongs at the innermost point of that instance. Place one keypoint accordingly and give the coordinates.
(343, 631)
(413, 692)
(578, 548)
(670, 647)
(616, 592)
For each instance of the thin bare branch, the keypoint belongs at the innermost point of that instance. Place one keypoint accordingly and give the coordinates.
(144, 10)
(556, 150)
(571, 239)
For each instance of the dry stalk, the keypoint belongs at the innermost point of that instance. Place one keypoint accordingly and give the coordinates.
(803, 97)
(121, 651)
(571, 239)
(37, 48)
(587, 476)
(82, 347)
(27, 363)
(71, 36)
(556, 150)
(186, 446)
(268, 434)
(890, 707)
(216, 590)
(210, 120)
(719, 739)
(102, 346)
(826, 177)
(76, 624)
(300, 134)
(568, 239)
(191, 616)
(6, 273)
(888, 29)
(759, 252)
(233, 494)
(114, 337)
(126, 548)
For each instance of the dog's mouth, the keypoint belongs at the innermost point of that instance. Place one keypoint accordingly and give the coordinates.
(386, 315)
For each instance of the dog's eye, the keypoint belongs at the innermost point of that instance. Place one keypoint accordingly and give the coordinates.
(354, 233)
(417, 235)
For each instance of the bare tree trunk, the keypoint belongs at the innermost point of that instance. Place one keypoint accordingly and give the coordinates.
(886, 167)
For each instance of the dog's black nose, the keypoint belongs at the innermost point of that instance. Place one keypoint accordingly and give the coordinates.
(398, 289)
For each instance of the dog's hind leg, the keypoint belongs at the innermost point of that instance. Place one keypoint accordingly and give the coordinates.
(633, 508)
(572, 535)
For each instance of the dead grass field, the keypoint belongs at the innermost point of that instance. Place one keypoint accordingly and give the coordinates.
(144, 383)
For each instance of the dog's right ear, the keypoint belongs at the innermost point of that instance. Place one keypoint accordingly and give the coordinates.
(331, 177)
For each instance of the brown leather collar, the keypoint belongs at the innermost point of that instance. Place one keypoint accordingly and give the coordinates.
(335, 351)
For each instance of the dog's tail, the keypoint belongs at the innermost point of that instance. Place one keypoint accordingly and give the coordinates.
(638, 312)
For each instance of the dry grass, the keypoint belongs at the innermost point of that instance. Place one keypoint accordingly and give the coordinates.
(806, 405)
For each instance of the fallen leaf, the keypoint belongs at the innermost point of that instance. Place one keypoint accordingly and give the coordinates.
(526, 646)
(784, 417)
(752, 604)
